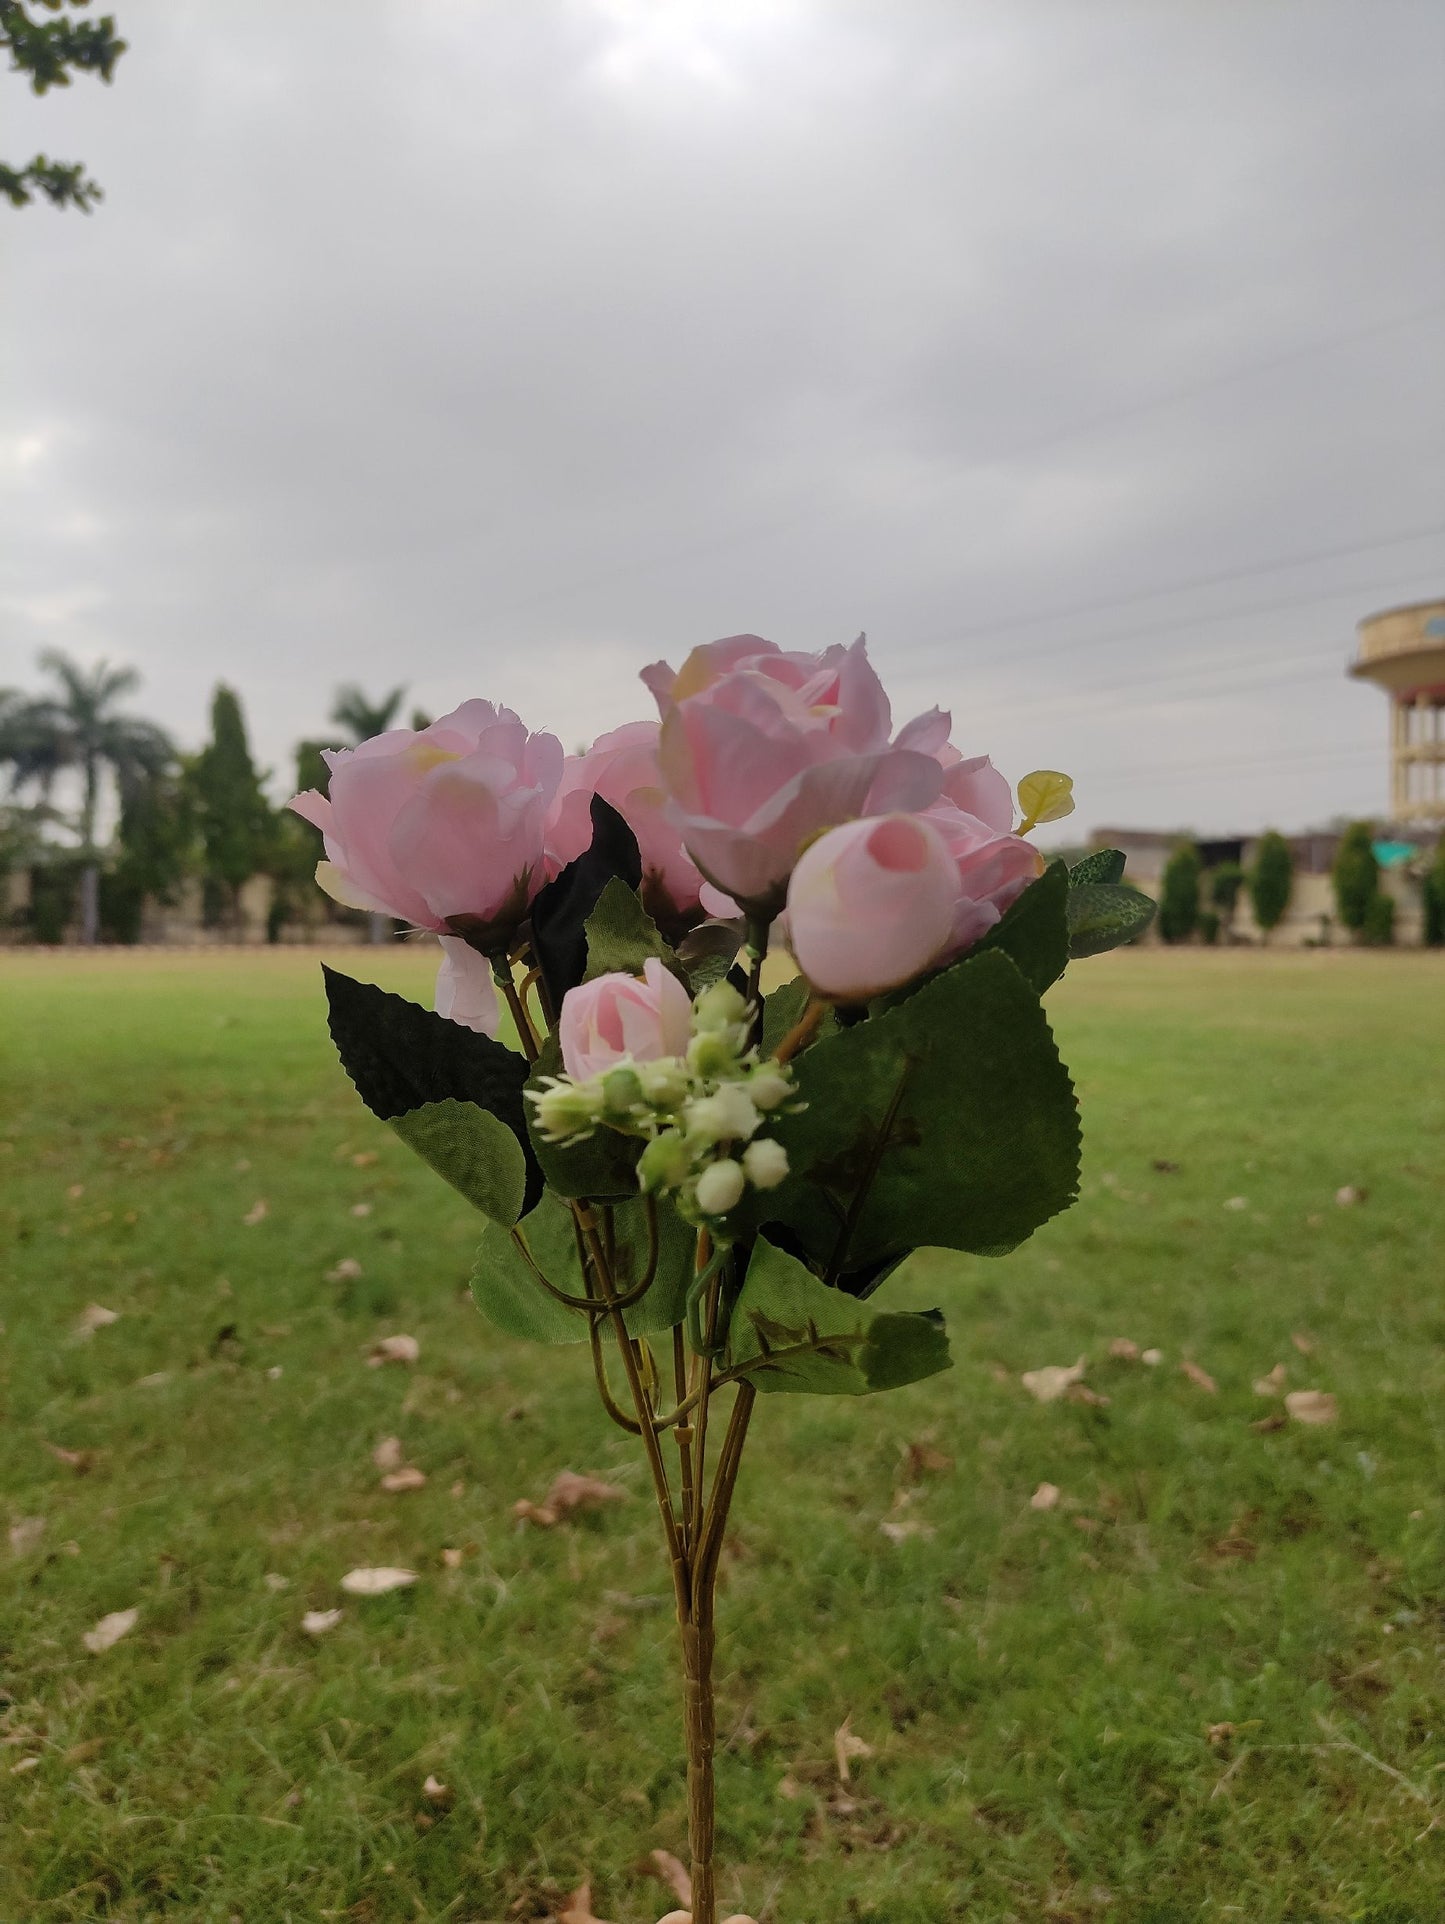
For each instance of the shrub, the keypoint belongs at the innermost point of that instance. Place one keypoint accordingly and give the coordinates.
(1225, 882)
(1271, 880)
(1209, 926)
(1179, 894)
(1434, 904)
(1356, 876)
(1378, 927)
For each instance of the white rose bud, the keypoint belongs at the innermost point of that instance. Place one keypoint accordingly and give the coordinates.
(720, 1187)
(727, 1116)
(765, 1163)
(768, 1085)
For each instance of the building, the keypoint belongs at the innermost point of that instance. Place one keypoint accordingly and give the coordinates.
(1402, 650)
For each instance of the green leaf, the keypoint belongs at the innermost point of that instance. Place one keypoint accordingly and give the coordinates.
(602, 1166)
(1034, 931)
(792, 1334)
(1103, 865)
(402, 1057)
(949, 1121)
(783, 1011)
(708, 951)
(1103, 916)
(506, 1291)
(475, 1151)
(621, 935)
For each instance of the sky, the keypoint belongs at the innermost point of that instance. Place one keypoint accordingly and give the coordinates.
(1091, 359)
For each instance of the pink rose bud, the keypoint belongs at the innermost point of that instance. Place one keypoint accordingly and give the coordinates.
(466, 992)
(622, 768)
(624, 1018)
(993, 871)
(760, 750)
(871, 905)
(445, 827)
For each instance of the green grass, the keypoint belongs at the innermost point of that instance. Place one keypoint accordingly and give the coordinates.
(1037, 1688)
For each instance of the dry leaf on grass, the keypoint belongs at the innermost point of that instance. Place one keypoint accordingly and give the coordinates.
(1272, 1384)
(1220, 1733)
(361, 1209)
(81, 1461)
(274, 1580)
(1125, 1350)
(1081, 1393)
(1045, 1497)
(393, 1349)
(1348, 1195)
(110, 1630)
(388, 1454)
(408, 1477)
(257, 1213)
(1236, 1202)
(1312, 1406)
(451, 1559)
(377, 1582)
(847, 1745)
(316, 1623)
(922, 1459)
(569, 1493)
(346, 1271)
(1267, 1423)
(25, 1533)
(1048, 1384)
(901, 1532)
(26, 1763)
(1303, 1342)
(93, 1317)
(577, 1909)
(1199, 1377)
(436, 1792)
(672, 1872)
(1153, 1357)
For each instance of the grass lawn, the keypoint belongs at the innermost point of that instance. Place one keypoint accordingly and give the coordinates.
(1206, 1684)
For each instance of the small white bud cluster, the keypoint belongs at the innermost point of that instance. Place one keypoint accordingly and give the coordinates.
(699, 1114)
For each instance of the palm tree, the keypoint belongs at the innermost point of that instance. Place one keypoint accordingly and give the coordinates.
(78, 730)
(362, 718)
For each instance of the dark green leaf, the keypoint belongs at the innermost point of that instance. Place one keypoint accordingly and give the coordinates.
(560, 911)
(949, 1121)
(1103, 865)
(475, 1151)
(622, 936)
(1103, 916)
(401, 1057)
(510, 1295)
(790, 1333)
(1034, 931)
(706, 952)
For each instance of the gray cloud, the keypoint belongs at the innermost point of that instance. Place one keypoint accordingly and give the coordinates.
(502, 349)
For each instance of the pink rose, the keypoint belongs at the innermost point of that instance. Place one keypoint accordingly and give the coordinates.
(444, 828)
(466, 992)
(622, 768)
(993, 868)
(761, 750)
(624, 1018)
(871, 905)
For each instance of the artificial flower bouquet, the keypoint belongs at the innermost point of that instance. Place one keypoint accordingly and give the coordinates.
(708, 1185)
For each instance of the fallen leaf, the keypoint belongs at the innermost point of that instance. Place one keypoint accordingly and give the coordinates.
(1048, 1384)
(1348, 1195)
(26, 1763)
(901, 1532)
(1236, 1202)
(361, 1209)
(1312, 1406)
(93, 1317)
(577, 1909)
(110, 1630)
(1153, 1357)
(153, 1381)
(922, 1459)
(1045, 1497)
(1081, 1393)
(790, 1788)
(1235, 1549)
(1267, 1423)
(1219, 1733)
(408, 1477)
(364, 1159)
(568, 1494)
(1199, 1377)
(75, 1191)
(316, 1623)
(274, 1580)
(436, 1792)
(847, 1745)
(83, 1752)
(1125, 1350)
(346, 1271)
(672, 1872)
(1088, 1526)
(451, 1559)
(1272, 1384)
(393, 1349)
(25, 1533)
(1303, 1342)
(388, 1453)
(257, 1213)
(376, 1582)
(81, 1461)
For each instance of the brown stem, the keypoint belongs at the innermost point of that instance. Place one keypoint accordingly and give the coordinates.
(803, 1031)
(700, 1722)
(502, 975)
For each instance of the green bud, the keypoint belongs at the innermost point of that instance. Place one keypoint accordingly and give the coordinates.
(566, 1109)
(714, 1053)
(665, 1163)
(621, 1092)
(720, 1007)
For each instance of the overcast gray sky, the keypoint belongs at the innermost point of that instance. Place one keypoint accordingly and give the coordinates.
(1092, 359)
